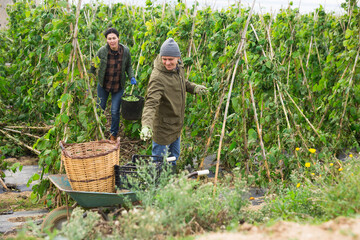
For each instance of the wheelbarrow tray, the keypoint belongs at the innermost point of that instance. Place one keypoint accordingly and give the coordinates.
(91, 199)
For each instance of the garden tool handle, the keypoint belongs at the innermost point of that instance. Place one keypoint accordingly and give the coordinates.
(198, 173)
(203, 172)
(171, 159)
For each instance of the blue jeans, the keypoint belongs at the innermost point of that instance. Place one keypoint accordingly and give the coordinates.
(173, 149)
(115, 106)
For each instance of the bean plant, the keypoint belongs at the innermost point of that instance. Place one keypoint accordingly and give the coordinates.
(296, 84)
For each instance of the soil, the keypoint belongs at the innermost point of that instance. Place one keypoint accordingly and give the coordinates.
(340, 228)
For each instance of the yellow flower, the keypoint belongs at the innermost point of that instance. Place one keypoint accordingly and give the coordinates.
(307, 164)
(298, 185)
(331, 164)
(320, 175)
(251, 198)
(313, 174)
(340, 169)
(312, 150)
(351, 155)
(297, 149)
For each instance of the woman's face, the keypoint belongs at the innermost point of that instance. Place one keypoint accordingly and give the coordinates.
(113, 41)
(170, 62)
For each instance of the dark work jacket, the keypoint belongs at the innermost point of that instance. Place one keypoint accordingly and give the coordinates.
(100, 70)
(165, 102)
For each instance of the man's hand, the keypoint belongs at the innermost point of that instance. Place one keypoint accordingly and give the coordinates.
(133, 81)
(146, 133)
(200, 89)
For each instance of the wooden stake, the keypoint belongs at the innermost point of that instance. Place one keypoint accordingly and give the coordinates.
(27, 134)
(307, 86)
(348, 92)
(302, 114)
(212, 129)
(238, 51)
(36, 128)
(20, 142)
(3, 184)
(258, 125)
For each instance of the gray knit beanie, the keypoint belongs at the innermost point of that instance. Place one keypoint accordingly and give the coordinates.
(170, 49)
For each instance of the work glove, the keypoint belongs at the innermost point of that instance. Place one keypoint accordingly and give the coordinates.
(200, 89)
(133, 81)
(146, 133)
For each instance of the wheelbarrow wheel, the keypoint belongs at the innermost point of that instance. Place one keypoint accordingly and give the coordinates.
(56, 218)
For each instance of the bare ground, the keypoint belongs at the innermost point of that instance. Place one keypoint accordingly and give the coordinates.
(340, 228)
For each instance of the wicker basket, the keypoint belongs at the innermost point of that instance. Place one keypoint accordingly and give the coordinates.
(90, 166)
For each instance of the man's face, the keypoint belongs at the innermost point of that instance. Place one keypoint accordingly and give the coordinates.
(170, 62)
(113, 41)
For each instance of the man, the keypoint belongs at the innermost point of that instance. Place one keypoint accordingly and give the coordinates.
(163, 114)
(115, 61)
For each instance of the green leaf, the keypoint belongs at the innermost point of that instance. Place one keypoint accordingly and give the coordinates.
(65, 97)
(348, 33)
(232, 145)
(35, 177)
(15, 166)
(64, 118)
(62, 4)
(268, 64)
(252, 134)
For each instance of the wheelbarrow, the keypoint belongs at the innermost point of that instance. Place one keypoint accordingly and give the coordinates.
(88, 200)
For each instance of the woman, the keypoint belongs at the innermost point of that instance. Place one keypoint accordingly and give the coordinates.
(115, 61)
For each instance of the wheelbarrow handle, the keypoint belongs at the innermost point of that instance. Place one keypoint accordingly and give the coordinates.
(198, 173)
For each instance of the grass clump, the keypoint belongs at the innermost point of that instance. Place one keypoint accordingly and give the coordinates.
(333, 191)
(180, 206)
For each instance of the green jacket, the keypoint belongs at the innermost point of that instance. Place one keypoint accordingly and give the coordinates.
(165, 102)
(126, 65)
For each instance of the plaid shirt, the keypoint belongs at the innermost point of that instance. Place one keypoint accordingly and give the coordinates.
(113, 70)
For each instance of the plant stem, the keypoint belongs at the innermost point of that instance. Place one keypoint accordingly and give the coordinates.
(238, 51)
(348, 92)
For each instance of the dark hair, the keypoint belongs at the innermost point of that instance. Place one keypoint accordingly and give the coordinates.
(111, 30)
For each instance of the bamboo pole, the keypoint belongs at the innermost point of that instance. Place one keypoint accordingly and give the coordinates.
(212, 129)
(90, 93)
(348, 91)
(259, 131)
(20, 142)
(26, 127)
(238, 51)
(137, 67)
(27, 134)
(307, 86)
(75, 33)
(3, 184)
(191, 41)
(246, 148)
(302, 114)
(277, 117)
(74, 59)
(328, 105)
